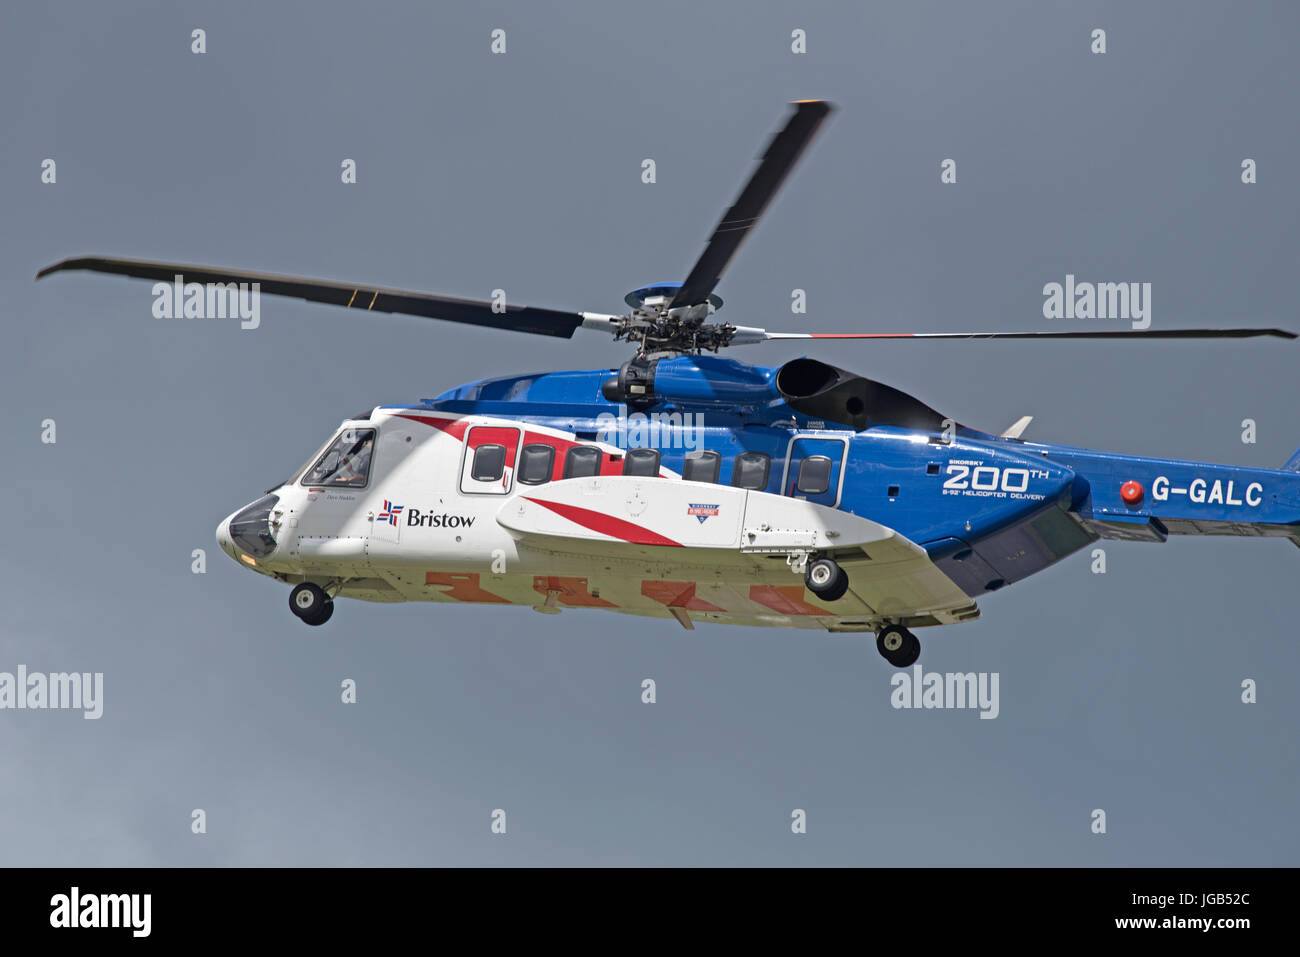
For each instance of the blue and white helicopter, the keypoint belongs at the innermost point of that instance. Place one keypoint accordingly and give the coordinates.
(686, 486)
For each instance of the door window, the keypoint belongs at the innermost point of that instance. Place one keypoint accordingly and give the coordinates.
(489, 466)
(814, 475)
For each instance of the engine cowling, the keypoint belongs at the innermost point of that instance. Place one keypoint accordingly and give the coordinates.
(809, 386)
(690, 380)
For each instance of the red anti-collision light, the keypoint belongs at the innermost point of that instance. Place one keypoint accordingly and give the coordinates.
(1131, 492)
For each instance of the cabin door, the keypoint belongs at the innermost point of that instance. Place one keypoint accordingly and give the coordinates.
(814, 469)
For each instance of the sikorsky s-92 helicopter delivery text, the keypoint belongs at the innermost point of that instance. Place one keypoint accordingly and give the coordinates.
(686, 486)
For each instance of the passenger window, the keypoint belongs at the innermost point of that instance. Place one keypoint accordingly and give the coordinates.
(642, 462)
(751, 470)
(536, 464)
(702, 466)
(581, 461)
(489, 463)
(346, 462)
(814, 475)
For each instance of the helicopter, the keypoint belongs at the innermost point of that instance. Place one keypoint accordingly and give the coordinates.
(687, 486)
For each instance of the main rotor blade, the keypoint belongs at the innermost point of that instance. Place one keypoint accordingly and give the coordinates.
(1128, 334)
(541, 322)
(777, 161)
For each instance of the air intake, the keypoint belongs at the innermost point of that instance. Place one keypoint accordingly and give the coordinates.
(822, 391)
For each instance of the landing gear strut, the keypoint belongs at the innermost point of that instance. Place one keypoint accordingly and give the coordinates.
(826, 579)
(310, 603)
(898, 646)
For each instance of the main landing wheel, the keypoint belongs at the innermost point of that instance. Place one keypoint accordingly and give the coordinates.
(898, 646)
(826, 579)
(310, 603)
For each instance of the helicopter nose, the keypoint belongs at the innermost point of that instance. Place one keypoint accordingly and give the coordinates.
(249, 535)
(223, 537)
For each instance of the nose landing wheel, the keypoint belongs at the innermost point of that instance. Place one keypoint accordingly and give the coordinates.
(898, 646)
(310, 603)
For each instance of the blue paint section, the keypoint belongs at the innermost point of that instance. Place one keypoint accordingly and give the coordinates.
(551, 387)
(943, 487)
(1183, 498)
(710, 381)
(987, 513)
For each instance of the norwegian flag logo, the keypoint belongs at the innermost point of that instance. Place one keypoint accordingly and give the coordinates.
(702, 512)
(390, 513)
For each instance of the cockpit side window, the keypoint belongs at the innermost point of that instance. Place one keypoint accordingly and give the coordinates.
(346, 463)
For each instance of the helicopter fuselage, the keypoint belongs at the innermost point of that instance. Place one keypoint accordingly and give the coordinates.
(698, 502)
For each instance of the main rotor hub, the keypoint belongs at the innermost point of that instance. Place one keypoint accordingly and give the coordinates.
(664, 329)
(658, 295)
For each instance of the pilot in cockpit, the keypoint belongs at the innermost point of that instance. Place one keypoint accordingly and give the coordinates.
(354, 466)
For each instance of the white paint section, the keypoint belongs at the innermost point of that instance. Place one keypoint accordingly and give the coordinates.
(681, 551)
(663, 507)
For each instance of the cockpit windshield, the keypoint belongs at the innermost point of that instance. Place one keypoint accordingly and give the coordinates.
(346, 463)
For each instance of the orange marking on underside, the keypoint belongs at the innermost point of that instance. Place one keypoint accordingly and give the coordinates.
(676, 595)
(463, 586)
(783, 599)
(569, 591)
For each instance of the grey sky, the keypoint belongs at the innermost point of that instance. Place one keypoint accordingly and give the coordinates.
(1118, 691)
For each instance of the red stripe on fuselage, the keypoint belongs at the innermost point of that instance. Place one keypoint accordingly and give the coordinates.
(610, 463)
(453, 427)
(606, 524)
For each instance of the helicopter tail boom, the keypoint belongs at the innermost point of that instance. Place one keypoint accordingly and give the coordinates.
(1141, 499)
